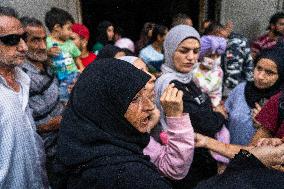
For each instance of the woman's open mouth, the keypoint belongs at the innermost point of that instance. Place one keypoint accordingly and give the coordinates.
(146, 120)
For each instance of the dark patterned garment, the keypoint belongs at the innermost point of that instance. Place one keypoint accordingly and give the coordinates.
(263, 42)
(237, 63)
(44, 100)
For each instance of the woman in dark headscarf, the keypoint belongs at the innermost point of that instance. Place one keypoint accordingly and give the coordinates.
(105, 130)
(271, 116)
(104, 35)
(243, 107)
(245, 101)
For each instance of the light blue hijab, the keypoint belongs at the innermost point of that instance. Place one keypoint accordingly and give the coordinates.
(174, 37)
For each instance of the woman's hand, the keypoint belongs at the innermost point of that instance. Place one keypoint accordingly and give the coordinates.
(200, 140)
(278, 168)
(269, 155)
(255, 111)
(52, 125)
(269, 142)
(154, 118)
(171, 101)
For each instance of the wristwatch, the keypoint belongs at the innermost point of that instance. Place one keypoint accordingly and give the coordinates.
(245, 155)
(245, 160)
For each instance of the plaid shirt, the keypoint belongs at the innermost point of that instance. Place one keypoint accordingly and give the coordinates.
(44, 101)
(21, 156)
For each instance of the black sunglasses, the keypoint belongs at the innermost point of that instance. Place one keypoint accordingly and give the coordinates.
(13, 39)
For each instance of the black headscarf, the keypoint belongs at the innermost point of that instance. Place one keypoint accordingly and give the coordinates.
(93, 125)
(108, 51)
(102, 32)
(252, 93)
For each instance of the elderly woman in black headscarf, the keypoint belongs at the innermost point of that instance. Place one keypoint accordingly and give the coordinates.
(104, 131)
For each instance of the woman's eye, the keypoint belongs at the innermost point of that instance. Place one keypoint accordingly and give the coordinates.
(196, 50)
(259, 68)
(269, 72)
(183, 51)
(135, 99)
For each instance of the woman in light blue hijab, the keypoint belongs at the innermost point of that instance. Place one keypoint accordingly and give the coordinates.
(181, 47)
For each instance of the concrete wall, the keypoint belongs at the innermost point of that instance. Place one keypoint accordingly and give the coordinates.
(251, 17)
(38, 8)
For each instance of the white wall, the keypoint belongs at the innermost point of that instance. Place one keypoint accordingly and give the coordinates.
(251, 17)
(38, 8)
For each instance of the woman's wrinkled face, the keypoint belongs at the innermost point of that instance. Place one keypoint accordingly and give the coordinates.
(139, 64)
(186, 55)
(140, 112)
(265, 73)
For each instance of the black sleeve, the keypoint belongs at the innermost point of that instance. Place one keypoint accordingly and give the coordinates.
(244, 160)
(204, 120)
(207, 122)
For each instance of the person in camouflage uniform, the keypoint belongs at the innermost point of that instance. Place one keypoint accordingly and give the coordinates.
(237, 63)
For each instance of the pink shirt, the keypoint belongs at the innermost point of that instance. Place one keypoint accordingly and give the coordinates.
(174, 158)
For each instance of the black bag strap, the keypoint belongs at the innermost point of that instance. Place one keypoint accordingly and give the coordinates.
(281, 108)
(43, 89)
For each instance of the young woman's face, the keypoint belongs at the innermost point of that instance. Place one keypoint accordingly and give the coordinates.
(186, 55)
(110, 33)
(265, 73)
(161, 38)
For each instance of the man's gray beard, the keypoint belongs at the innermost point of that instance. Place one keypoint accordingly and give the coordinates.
(36, 57)
(6, 64)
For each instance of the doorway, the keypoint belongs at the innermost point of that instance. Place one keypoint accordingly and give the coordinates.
(131, 15)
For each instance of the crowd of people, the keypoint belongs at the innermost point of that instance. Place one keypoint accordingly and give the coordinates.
(176, 109)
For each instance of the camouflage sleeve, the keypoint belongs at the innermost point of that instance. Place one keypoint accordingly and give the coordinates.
(248, 64)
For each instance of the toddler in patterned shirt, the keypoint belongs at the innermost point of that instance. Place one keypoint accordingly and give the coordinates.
(208, 74)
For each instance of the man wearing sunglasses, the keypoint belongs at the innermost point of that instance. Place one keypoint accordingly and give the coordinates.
(21, 155)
